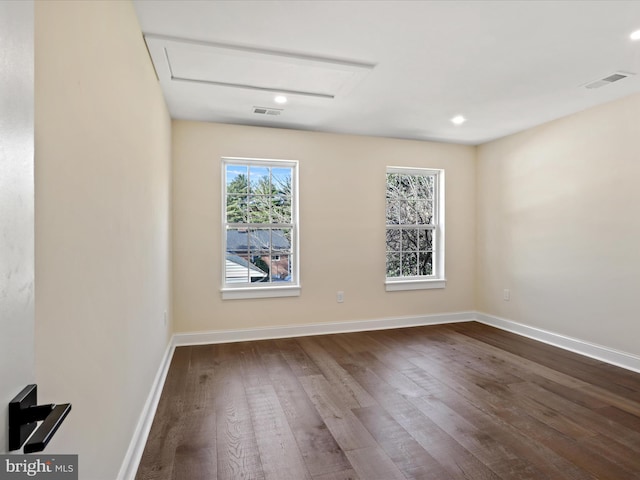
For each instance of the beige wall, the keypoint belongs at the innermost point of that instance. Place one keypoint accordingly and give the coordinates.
(342, 211)
(558, 224)
(102, 225)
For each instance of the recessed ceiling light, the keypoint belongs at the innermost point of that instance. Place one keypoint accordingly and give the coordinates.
(458, 120)
(635, 35)
(280, 99)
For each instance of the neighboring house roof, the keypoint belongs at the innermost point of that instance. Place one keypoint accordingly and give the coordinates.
(238, 270)
(238, 240)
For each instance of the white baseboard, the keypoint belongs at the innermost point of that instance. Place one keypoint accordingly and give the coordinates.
(608, 355)
(132, 458)
(266, 333)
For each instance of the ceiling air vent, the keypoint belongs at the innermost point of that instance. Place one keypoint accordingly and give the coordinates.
(614, 77)
(267, 111)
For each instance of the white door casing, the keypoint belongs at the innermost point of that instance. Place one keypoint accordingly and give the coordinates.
(16, 204)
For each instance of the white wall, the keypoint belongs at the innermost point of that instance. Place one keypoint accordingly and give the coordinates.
(342, 226)
(102, 225)
(558, 225)
(16, 204)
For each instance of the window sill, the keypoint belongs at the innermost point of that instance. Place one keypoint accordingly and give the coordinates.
(260, 292)
(400, 285)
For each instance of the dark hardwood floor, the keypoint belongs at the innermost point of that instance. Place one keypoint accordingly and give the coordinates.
(460, 401)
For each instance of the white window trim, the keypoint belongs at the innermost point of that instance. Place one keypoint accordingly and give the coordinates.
(247, 291)
(239, 293)
(437, 280)
(414, 284)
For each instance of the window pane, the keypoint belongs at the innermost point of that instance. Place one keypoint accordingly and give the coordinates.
(238, 242)
(259, 180)
(424, 187)
(259, 268)
(280, 209)
(424, 211)
(425, 240)
(394, 239)
(412, 214)
(281, 269)
(393, 264)
(236, 270)
(425, 263)
(281, 241)
(393, 183)
(410, 240)
(260, 241)
(238, 265)
(403, 212)
(258, 209)
(407, 185)
(237, 209)
(281, 180)
(409, 264)
(393, 212)
(237, 179)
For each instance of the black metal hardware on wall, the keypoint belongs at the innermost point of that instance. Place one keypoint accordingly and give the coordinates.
(24, 415)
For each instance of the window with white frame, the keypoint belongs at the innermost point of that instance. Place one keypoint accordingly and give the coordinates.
(260, 228)
(414, 228)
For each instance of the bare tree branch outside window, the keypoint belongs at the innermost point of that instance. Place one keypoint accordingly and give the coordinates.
(410, 224)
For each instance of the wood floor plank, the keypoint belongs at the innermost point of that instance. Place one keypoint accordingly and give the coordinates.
(345, 475)
(613, 399)
(279, 453)
(584, 417)
(451, 455)
(510, 409)
(253, 370)
(320, 451)
(195, 456)
(406, 453)
(157, 462)
(372, 463)
(488, 412)
(296, 358)
(352, 394)
(589, 370)
(237, 449)
(498, 454)
(457, 401)
(393, 377)
(621, 417)
(342, 423)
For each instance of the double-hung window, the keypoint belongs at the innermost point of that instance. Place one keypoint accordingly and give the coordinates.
(415, 229)
(260, 228)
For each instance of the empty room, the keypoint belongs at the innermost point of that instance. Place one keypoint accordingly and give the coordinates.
(320, 240)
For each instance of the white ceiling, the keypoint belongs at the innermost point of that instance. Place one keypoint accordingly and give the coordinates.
(391, 68)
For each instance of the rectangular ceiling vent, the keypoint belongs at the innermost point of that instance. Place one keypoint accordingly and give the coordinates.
(267, 111)
(614, 77)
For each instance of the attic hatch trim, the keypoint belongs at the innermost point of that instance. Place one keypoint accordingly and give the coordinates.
(341, 75)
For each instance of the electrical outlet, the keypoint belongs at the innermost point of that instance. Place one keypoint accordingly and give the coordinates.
(165, 318)
(340, 296)
(506, 295)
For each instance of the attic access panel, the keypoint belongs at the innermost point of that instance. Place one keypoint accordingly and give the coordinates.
(224, 65)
